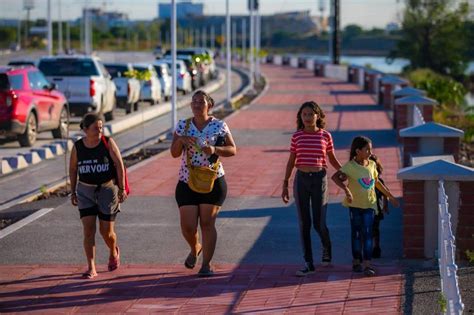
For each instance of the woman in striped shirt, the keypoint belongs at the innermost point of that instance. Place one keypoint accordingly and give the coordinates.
(311, 148)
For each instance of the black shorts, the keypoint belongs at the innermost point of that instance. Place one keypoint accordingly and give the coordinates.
(187, 197)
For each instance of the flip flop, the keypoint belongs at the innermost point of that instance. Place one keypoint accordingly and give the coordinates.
(114, 262)
(206, 272)
(191, 260)
(89, 275)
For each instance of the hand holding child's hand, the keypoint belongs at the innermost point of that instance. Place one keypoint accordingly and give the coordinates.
(394, 201)
(342, 176)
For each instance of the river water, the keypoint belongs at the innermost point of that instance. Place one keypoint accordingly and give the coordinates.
(381, 64)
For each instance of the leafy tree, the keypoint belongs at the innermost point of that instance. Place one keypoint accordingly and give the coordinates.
(7, 35)
(433, 36)
(351, 31)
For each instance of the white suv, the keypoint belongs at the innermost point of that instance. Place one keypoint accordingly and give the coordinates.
(84, 81)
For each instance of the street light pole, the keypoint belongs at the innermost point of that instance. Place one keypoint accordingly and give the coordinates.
(257, 44)
(174, 117)
(252, 41)
(227, 41)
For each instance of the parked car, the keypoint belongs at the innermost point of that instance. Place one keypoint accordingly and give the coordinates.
(164, 74)
(29, 104)
(85, 82)
(183, 79)
(150, 88)
(158, 52)
(127, 88)
(196, 75)
(21, 62)
(207, 65)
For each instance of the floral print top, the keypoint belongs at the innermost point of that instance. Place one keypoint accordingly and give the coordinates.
(208, 136)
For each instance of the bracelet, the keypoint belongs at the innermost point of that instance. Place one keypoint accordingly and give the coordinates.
(122, 189)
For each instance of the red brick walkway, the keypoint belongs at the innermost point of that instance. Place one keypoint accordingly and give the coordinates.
(142, 289)
(269, 161)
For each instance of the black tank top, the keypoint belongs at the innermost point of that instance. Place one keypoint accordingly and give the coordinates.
(94, 165)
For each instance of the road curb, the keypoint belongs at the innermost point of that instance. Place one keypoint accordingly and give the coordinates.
(28, 219)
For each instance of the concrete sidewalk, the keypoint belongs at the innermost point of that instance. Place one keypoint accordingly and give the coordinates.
(258, 247)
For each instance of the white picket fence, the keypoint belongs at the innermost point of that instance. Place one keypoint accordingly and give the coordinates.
(446, 252)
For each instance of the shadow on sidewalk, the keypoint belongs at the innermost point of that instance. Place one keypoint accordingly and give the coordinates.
(381, 138)
(168, 291)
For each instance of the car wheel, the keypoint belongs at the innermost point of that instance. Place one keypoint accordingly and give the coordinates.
(129, 108)
(28, 138)
(61, 131)
(109, 115)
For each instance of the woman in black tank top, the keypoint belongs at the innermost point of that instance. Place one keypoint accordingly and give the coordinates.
(97, 178)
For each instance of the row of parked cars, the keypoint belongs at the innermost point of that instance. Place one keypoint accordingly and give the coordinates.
(37, 96)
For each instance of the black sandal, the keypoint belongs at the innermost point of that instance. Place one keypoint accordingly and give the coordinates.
(191, 260)
(369, 272)
(206, 272)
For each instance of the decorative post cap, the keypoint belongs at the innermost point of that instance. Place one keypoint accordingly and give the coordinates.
(416, 100)
(409, 91)
(431, 129)
(393, 80)
(437, 170)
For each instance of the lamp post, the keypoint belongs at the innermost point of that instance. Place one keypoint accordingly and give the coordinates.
(173, 67)
(228, 53)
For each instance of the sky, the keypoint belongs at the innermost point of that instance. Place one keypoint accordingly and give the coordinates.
(367, 13)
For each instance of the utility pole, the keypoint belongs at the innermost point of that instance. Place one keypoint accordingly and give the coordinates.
(50, 30)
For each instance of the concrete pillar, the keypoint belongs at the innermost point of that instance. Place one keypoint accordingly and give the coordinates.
(420, 208)
(388, 85)
(430, 139)
(405, 111)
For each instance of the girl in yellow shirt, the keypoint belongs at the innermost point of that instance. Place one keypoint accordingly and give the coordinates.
(362, 179)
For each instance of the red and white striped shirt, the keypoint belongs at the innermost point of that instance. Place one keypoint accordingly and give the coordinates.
(311, 148)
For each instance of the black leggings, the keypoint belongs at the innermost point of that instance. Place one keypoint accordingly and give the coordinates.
(312, 188)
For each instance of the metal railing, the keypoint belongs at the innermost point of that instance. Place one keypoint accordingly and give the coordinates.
(417, 116)
(446, 252)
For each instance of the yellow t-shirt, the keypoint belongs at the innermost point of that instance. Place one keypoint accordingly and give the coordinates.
(361, 184)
